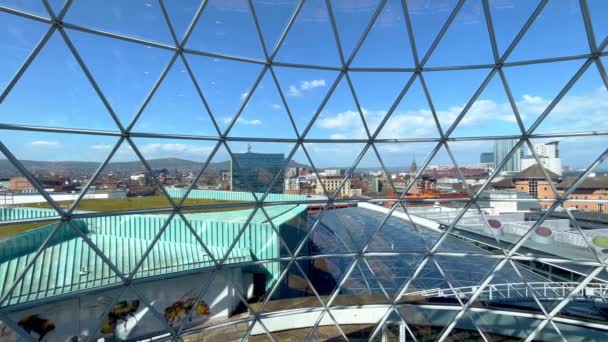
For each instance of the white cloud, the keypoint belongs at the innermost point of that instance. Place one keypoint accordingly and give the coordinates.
(252, 122)
(44, 143)
(173, 148)
(276, 106)
(308, 85)
(294, 90)
(101, 147)
(483, 115)
(244, 95)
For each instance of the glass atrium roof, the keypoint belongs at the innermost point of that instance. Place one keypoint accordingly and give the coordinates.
(303, 170)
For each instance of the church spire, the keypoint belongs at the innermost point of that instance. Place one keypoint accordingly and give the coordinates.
(413, 166)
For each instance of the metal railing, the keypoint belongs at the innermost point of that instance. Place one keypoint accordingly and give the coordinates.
(544, 290)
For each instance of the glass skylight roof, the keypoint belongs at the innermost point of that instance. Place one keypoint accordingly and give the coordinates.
(313, 170)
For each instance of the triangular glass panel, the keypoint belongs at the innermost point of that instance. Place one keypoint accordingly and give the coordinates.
(17, 46)
(351, 226)
(130, 316)
(226, 28)
(36, 7)
(534, 86)
(362, 283)
(466, 42)
(128, 181)
(273, 19)
(66, 264)
(552, 332)
(589, 95)
(63, 164)
(325, 274)
(142, 20)
(450, 91)
(427, 323)
(400, 232)
(293, 291)
(588, 303)
(213, 185)
(258, 333)
(518, 286)
(427, 21)
(389, 35)
(310, 39)
(62, 320)
(224, 83)
(264, 115)
(333, 170)
(259, 167)
(600, 29)
(178, 249)
(392, 272)
(402, 161)
(508, 18)
(412, 118)
(511, 326)
(304, 91)
(19, 200)
(416, 288)
(120, 69)
(41, 324)
(182, 305)
(570, 332)
(178, 99)
(568, 36)
(351, 21)
(572, 235)
(325, 239)
(340, 117)
(393, 329)
(465, 274)
(327, 330)
(491, 114)
(569, 157)
(467, 155)
(52, 72)
(376, 94)
(226, 297)
(466, 329)
(181, 14)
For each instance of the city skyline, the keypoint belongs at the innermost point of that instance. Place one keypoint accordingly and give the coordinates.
(126, 72)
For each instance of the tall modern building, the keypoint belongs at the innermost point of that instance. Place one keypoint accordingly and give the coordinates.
(486, 159)
(501, 151)
(255, 172)
(548, 155)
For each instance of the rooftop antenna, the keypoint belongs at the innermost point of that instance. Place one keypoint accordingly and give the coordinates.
(248, 148)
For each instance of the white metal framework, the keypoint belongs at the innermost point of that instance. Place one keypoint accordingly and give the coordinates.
(125, 134)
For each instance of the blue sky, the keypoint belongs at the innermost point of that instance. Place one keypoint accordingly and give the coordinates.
(54, 91)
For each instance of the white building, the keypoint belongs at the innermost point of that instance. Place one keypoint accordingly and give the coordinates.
(292, 184)
(331, 184)
(548, 155)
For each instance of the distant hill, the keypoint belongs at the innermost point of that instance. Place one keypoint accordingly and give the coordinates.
(79, 167)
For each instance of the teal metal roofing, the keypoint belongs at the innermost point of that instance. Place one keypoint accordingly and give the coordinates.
(72, 265)
(277, 213)
(68, 264)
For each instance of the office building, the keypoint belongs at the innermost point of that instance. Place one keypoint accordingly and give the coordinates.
(255, 172)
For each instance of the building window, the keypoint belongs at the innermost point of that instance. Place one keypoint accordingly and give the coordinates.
(600, 207)
(533, 188)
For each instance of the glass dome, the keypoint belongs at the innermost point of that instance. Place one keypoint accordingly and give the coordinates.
(291, 170)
